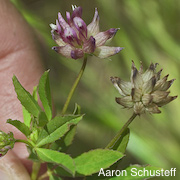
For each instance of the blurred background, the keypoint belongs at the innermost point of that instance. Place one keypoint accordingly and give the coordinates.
(150, 32)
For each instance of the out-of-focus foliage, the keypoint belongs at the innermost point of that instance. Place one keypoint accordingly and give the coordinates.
(150, 33)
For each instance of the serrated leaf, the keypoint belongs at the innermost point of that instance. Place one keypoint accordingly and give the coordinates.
(122, 142)
(63, 143)
(92, 161)
(45, 94)
(56, 128)
(21, 126)
(42, 119)
(26, 117)
(135, 172)
(26, 99)
(56, 157)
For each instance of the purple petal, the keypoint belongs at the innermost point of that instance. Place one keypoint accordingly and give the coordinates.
(58, 27)
(77, 54)
(80, 26)
(93, 27)
(102, 37)
(106, 51)
(62, 22)
(77, 12)
(71, 36)
(68, 16)
(89, 46)
(59, 41)
(64, 50)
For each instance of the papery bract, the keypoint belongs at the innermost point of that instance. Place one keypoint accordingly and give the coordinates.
(146, 92)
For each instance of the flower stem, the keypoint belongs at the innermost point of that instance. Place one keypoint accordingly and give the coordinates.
(35, 170)
(118, 135)
(74, 86)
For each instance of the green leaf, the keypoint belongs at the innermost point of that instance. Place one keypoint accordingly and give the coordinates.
(92, 161)
(77, 109)
(122, 142)
(56, 128)
(42, 119)
(52, 177)
(45, 94)
(21, 126)
(63, 143)
(26, 99)
(135, 172)
(58, 171)
(35, 94)
(56, 157)
(32, 154)
(26, 117)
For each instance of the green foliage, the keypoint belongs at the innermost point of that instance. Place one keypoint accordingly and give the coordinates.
(122, 142)
(56, 128)
(153, 36)
(21, 126)
(26, 117)
(91, 162)
(77, 109)
(63, 143)
(42, 119)
(45, 94)
(56, 157)
(51, 177)
(26, 98)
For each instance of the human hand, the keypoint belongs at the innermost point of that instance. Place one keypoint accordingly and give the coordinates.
(18, 56)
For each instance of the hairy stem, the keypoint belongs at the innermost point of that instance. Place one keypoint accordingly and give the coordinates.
(24, 141)
(74, 86)
(118, 135)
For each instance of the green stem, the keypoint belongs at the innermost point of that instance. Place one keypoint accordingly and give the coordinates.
(74, 86)
(118, 135)
(35, 170)
(36, 165)
(24, 141)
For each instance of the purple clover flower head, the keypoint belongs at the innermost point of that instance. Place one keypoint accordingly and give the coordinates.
(75, 39)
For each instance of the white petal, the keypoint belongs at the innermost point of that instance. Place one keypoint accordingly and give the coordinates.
(106, 51)
(64, 50)
(93, 27)
(53, 26)
(102, 37)
(123, 87)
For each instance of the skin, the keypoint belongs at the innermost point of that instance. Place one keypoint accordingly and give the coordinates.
(18, 56)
